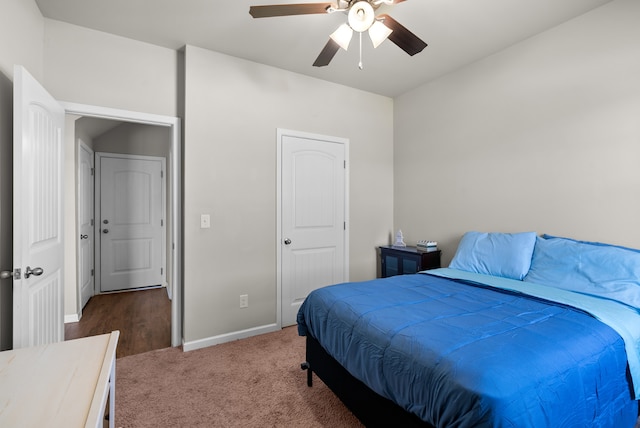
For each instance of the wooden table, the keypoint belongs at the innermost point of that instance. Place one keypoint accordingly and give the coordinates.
(64, 384)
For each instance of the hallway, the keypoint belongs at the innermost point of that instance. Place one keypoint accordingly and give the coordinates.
(143, 318)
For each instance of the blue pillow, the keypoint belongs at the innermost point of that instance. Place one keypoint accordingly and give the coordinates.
(546, 236)
(499, 254)
(601, 270)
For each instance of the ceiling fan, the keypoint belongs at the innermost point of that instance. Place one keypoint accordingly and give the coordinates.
(361, 16)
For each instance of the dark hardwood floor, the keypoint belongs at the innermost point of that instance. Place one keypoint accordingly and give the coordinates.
(143, 318)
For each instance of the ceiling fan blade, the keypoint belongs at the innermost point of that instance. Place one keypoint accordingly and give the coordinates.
(327, 54)
(288, 9)
(403, 38)
(385, 7)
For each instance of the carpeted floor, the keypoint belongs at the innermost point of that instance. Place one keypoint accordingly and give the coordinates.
(255, 382)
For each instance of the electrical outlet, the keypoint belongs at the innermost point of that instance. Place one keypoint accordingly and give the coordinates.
(244, 300)
(205, 221)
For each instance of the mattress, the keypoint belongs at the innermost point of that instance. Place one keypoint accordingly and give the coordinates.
(459, 353)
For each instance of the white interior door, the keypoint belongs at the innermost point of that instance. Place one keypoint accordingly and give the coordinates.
(131, 219)
(86, 224)
(38, 255)
(313, 216)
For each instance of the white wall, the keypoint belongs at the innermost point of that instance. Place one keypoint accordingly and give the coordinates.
(233, 108)
(544, 136)
(135, 139)
(91, 67)
(21, 37)
(21, 33)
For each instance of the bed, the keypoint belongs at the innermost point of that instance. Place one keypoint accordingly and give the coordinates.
(519, 331)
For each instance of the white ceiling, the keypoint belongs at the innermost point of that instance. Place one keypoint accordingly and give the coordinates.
(458, 32)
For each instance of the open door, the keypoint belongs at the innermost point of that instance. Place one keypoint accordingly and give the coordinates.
(86, 222)
(38, 246)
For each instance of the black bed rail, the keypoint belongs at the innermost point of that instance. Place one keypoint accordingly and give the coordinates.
(371, 409)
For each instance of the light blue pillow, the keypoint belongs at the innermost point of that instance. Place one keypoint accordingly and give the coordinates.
(499, 254)
(601, 270)
(546, 236)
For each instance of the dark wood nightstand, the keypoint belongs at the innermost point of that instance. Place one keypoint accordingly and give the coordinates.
(406, 260)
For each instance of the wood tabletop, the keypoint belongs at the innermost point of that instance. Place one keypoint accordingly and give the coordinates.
(61, 384)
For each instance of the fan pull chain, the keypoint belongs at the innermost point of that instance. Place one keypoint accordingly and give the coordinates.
(360, 63)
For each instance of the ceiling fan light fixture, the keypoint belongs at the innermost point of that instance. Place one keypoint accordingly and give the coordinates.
(342, 36)
(379, 33)
(361, 16)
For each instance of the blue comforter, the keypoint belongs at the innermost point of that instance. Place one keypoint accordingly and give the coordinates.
(459, 354)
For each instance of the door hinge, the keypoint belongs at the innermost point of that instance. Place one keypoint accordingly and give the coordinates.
(91, 222)
(91, 272)
(345, 164)
(344, 225)
(161, 174)
(161, 271)
(161, 222)
(93, 171)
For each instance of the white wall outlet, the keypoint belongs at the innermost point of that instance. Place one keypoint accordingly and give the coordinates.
(205, 221)
(244, 300)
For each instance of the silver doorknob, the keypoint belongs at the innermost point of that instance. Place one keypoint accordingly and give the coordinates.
(105, 230)
(287, 241)
(6, 274)
(35, 271)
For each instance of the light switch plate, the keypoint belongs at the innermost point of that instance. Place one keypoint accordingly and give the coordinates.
(205, 221)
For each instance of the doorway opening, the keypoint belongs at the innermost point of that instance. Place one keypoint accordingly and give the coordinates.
(94, 124)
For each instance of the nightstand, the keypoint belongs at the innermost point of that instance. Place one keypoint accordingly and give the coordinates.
(406, 260)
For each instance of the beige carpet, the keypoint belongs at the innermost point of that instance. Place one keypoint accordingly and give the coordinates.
(255, 382)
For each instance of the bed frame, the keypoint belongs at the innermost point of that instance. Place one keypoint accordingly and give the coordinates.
(372, 409)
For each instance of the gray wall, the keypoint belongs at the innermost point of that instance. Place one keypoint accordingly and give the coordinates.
(135, 139)
(96, 68)
(233, 108)
(544, 136)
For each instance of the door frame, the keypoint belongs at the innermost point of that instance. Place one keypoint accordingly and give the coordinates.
(81, 145)
(281, 133)
(174, 170)
(97, 210)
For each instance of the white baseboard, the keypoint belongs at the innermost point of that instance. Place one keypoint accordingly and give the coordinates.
(228, 337)
(71, 318)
